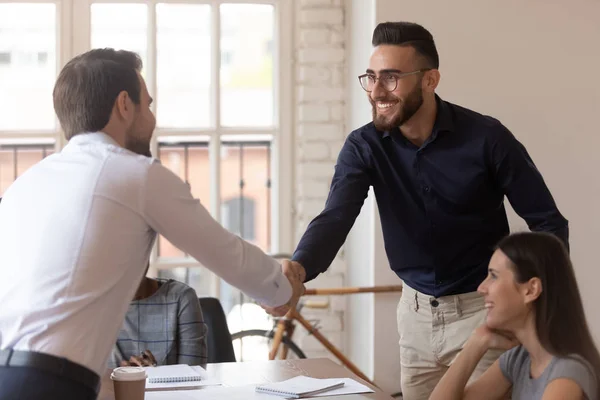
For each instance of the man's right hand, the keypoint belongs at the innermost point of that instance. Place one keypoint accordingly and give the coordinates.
(296, 274)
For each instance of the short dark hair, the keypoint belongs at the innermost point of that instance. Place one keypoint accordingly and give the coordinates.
(87, 88)
(408, 34)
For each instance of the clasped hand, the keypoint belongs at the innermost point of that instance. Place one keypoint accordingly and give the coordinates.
(296, 274)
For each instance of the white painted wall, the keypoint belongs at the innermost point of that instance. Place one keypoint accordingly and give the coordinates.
(533, 65)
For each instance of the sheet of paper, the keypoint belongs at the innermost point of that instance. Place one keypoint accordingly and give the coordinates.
(350, 387)
(300, 386)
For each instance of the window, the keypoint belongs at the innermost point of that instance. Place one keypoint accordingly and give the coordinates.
(18, 156)
(5, 58)
(238, 216)
(214, 86)
(25, 84)
(28, 49)
(246, 189)
(188, 158)
(120, 26)
(183, 92)
(219, 72)
(42, 57)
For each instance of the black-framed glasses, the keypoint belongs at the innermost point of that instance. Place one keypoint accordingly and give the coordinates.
(388, 81)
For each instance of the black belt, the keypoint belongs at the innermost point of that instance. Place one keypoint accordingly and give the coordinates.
(54, 365)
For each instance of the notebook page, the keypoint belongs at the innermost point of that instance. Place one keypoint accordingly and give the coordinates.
(300, 386)
(172, 373)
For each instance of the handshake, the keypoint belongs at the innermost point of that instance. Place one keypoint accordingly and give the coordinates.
(296, 274)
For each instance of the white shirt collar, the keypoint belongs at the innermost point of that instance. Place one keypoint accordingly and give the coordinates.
(93, 137)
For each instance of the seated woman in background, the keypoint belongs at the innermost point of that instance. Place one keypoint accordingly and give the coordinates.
(535, 312)
(164, 325)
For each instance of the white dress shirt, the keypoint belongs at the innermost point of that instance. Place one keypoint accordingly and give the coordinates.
(76, 231)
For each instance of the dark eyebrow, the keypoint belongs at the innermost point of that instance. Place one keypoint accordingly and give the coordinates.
(385, 71)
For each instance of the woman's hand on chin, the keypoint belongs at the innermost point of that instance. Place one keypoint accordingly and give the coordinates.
(494, 339)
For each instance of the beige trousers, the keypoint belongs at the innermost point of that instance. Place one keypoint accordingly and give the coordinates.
(432, 333)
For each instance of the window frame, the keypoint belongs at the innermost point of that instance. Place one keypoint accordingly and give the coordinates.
(73, 36)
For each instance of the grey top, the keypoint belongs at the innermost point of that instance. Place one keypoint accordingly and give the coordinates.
(169, 324)
(515, 364)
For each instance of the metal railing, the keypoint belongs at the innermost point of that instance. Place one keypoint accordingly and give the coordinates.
(17, 158)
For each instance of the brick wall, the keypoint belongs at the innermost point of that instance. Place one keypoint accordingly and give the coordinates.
(320, 65)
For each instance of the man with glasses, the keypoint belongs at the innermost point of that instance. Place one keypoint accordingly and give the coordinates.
(440, 173)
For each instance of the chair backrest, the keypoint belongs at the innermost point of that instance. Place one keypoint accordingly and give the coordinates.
(220, 348)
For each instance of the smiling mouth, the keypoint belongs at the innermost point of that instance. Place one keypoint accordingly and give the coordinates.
(385, 106)
(489, 305)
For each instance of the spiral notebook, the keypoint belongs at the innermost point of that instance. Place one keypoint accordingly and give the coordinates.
(172, 373)
(300, 387)
(180, 376)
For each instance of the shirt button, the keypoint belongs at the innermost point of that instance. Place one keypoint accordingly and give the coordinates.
(426, 189)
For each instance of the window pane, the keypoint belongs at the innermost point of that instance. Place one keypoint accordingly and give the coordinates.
(183, 65)
(200, 279)
(189, 161)
(245, 190)
(247, 65)
(15, 159)
(7, 168)
(178, 274)
(245, 200)
(120, 26)
(27, 66)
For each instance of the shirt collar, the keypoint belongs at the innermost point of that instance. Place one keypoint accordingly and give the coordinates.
(101, 138)
(443, 120)
(93, 137)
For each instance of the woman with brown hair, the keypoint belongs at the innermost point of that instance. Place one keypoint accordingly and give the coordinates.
(536, 314)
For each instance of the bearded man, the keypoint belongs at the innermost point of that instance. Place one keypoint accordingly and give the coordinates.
(440, 173)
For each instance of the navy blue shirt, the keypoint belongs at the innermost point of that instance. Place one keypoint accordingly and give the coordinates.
(441, 204)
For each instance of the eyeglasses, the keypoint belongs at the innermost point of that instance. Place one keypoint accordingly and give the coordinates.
(388, 81)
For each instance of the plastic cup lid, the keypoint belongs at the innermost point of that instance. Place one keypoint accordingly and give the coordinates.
(128, 374)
